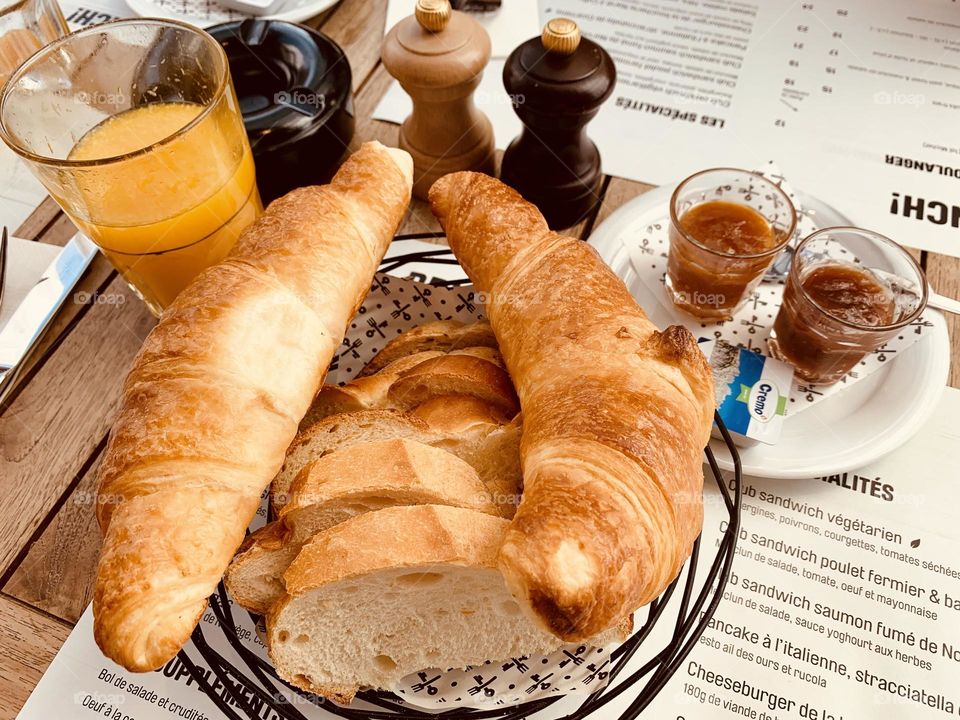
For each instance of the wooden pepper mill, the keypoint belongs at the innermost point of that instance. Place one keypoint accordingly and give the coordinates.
(438, 56)
(557, 82)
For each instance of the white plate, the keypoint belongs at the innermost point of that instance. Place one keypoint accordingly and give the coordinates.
(205, 13)
(845, 432)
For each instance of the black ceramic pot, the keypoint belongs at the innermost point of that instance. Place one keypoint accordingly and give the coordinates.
(294, 88)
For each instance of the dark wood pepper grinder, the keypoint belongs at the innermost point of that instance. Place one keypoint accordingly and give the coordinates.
(557, 83)
(438, 56)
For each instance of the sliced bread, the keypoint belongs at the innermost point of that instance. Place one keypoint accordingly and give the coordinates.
(458, 424)
(454, 374)
(443, 335)
(346, 483)
(413, 379)
(363, 393)
(341, 431)
(395, 591)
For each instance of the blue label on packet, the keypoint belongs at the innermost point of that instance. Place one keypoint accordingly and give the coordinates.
(752, 391)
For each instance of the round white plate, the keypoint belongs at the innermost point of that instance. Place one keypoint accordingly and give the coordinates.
(844, 432)
(206, 13)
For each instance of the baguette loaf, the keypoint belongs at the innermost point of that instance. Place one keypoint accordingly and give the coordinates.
(615, 414)
(346, 483)
(395, 591)
(215, 396)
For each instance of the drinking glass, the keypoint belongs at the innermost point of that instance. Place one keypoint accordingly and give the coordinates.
(707, 282)
(134, 128)
(25, 27)
(824, 330)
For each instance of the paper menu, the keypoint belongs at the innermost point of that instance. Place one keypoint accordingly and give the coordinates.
(845, 597)
(856, 100)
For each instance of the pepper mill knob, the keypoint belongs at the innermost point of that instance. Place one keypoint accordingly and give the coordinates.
(433, 15)
(553, 163)
(438, 56)
(561, 36)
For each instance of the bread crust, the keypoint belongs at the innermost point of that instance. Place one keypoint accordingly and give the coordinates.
(615, 414)
(414, 379)
(215, 396)
(440, 335)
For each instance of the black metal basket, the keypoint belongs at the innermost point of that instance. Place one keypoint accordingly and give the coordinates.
(254, 689)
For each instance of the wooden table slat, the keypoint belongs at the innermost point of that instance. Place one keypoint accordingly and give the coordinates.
(56, 575)
(357, 27)
(28, 642)
(38, 221)
(51, 428)
(943, 272)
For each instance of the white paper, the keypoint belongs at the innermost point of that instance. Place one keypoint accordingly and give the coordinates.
(26, 262)
(856, 100)
(81, 13)
(804, 543)
(515, 22)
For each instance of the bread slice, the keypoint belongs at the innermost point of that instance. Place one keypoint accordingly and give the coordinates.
(478, 372)
(346, 483)
(341, 431)
(443, 335)
(365, 393)
(454, 374)
(457, 424)
(395, 591)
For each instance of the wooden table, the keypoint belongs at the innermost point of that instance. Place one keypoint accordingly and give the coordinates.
(54, 426)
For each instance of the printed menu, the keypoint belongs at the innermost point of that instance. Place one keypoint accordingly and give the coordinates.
(856, 100)
(844, 600)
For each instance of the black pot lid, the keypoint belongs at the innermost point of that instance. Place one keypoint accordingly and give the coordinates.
(288, 77)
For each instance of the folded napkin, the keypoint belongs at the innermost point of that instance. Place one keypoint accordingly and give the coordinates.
(26, 261)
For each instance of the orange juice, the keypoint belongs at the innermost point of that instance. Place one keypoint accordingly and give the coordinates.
(174, 198)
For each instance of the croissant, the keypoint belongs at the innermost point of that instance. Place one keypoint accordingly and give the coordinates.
(215, 396)
(615, 414)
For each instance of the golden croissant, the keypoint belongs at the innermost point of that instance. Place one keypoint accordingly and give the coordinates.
(215, 396)
(616, 414)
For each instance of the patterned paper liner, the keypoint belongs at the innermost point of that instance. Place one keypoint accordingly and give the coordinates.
(393, 306)
(648, 244)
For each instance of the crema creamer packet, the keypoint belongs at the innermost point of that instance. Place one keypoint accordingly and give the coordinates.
(752, 391)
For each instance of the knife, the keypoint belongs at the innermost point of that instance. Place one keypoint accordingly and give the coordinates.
(40, 304)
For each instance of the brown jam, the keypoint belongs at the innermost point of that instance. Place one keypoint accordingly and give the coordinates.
(711, 277)
(817, 341)
(729, 228)
(851, 294)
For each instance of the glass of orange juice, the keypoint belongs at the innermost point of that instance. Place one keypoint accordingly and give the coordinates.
(134, 128)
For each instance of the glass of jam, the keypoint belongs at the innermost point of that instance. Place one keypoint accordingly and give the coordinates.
(848, 292)
(727, 226)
